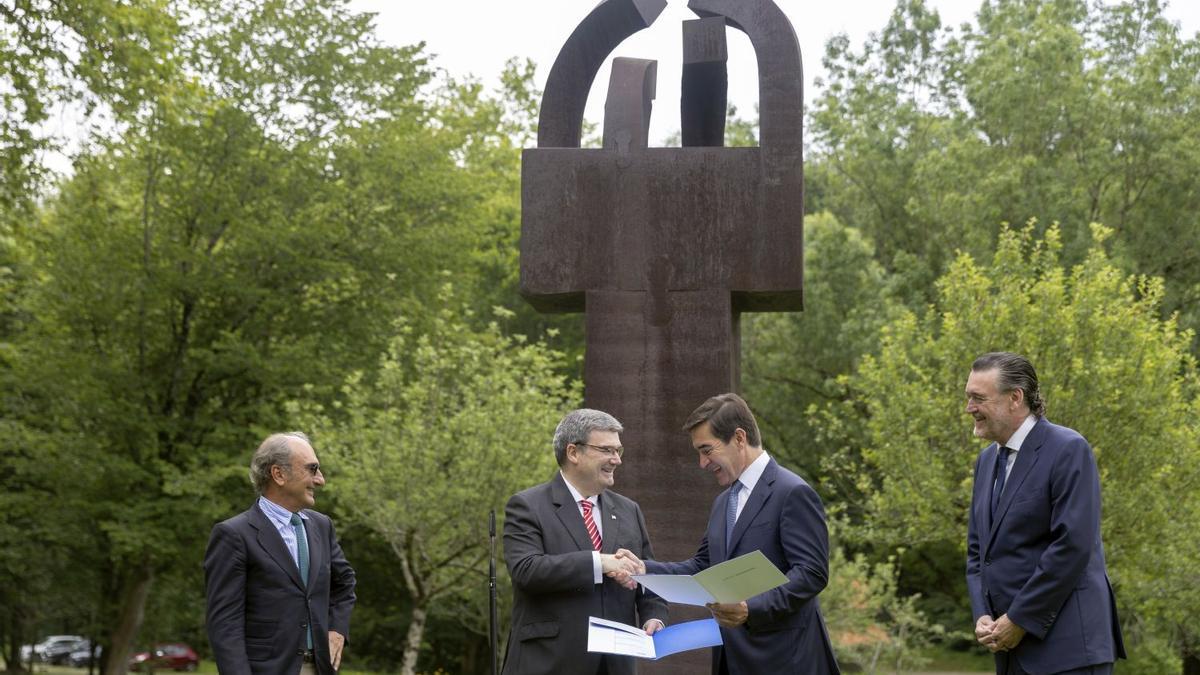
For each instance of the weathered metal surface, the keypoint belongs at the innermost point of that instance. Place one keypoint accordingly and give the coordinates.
(663, 248)
(705, 86)
(560, 123)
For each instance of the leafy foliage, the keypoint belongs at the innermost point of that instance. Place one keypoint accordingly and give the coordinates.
(871, 625)
(1110, 367)
(1068, 111)
(437, 438)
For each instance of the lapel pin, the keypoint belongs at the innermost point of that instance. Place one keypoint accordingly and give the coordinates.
(612, 516)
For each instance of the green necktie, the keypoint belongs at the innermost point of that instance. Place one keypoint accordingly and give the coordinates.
(302, 558)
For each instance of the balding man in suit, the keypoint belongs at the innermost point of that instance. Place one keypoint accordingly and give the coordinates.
(279, 589)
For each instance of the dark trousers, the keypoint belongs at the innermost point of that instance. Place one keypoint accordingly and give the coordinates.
(1007, 665)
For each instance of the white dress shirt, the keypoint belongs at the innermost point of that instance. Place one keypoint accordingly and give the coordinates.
(1014, 443)
(281, 518)
(749, 479)
(597, 574)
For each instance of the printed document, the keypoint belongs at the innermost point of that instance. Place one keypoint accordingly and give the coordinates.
(731, 581)
(612, 637)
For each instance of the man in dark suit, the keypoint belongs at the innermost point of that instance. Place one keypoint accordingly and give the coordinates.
(279, 589)
(770, 509)
(1035, 563)
(559, 541)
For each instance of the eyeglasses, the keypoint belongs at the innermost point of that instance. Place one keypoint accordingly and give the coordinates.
(605, 450)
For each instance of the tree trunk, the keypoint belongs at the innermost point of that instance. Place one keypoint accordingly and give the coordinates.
(412, 642)
(12, 639)
(129, 621)
(1191, 662)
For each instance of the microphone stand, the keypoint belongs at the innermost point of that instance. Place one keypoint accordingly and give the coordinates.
(493, 614)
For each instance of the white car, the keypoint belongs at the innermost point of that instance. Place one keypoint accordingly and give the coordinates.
(50, 647)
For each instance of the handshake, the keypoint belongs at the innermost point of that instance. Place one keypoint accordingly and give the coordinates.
(621, 566)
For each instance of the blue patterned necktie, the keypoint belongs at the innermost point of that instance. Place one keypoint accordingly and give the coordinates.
(731, 511)
(999, 473)
(302, 557)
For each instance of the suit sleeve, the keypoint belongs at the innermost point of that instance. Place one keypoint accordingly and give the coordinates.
(649, 605)
(1074, 526)
(974, 572)
(697, 563)
(531, 567)
(805, 539)
(225, 590)
(341, 587)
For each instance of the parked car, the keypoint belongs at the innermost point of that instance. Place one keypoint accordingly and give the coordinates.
(172, 656)
(82, 654)
(53, 649)
(59, 653)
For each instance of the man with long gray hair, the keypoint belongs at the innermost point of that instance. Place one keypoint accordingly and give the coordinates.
(279, 589)
(1036, 575)
(560, 538)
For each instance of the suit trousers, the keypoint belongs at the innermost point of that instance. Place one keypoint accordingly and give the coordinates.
(1006, 665)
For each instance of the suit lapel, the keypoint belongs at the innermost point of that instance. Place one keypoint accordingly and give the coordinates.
(1027, 458)
(612, 519)
(568, 514)
(754, 503)
(987, 480)
(272, 544)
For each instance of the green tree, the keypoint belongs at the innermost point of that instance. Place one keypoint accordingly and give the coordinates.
(456, 419)
(870, 624)
(1110, 367)
(94, 57)
(792, 360)
(247, 233)
(1071, 111)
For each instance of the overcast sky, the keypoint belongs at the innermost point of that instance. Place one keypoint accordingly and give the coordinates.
(477, 36)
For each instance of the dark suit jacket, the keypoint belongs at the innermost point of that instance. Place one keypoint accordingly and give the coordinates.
(785, 633)
(549, 558)
(258, 608)
(1041, 561)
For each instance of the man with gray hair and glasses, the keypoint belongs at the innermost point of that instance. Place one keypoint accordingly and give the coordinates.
(560, 538)
(279, 590)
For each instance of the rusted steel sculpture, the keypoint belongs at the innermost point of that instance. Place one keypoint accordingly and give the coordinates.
(663, 248)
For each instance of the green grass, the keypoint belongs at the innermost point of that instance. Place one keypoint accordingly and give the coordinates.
(205, 667)
(943, 659)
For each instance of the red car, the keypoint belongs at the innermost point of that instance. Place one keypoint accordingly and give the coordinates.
(172, 656)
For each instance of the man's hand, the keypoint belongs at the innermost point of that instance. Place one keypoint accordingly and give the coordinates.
(638, 566)
(983, 630)
(729, 614)
(652, 626)
(1005, 635)
(620, 570)
(336, 642)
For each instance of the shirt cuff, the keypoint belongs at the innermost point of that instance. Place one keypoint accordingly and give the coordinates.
(597, 576)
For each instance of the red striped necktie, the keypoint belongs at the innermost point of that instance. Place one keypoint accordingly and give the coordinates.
(593, 531)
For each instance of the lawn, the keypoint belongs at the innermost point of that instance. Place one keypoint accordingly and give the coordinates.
(940, 661)
(205, 667)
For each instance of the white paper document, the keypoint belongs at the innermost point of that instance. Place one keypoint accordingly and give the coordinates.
(731, 581)
(611, 637)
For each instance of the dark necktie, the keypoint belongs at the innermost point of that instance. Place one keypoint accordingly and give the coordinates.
(731, 511)
(1001, 470)
(302, 557)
